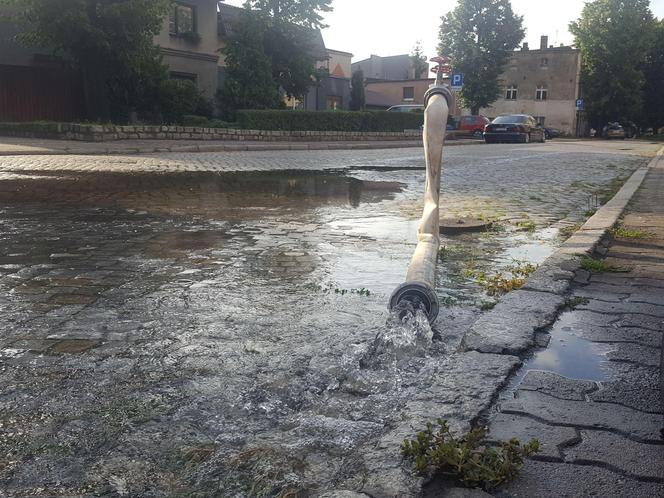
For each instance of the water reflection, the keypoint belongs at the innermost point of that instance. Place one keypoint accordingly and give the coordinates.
(568, 355)
(214, 195)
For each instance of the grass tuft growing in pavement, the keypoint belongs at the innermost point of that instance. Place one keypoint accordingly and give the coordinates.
(469, 458)
(497, 284)
(569, 230)
(573, 302)
(600, 266)
(526, 226)
(620, 232)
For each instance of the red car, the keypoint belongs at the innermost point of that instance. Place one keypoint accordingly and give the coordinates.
(472, 125)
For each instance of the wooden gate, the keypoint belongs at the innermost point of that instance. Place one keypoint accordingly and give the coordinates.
(40, 94)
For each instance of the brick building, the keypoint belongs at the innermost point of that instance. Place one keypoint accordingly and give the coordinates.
(543, 83)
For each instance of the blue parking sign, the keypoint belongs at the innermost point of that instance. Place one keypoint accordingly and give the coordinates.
(579, 104)
(457, 81)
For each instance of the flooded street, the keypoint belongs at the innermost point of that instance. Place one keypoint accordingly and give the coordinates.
(216, 324)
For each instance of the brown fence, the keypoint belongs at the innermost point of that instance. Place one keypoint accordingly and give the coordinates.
(39, 94)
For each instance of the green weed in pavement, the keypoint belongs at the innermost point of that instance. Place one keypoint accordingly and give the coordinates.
(435, 451)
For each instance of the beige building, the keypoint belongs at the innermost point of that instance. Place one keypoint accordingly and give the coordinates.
(338, 63)
(543, 83)
(189, 43)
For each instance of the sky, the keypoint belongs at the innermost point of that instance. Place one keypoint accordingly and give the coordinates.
(391, 27)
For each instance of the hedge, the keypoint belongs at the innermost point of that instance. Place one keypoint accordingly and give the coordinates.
(364, 121)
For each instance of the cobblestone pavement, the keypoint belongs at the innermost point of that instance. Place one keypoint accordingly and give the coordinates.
(593, 398)
(30, 146)
(200, 332)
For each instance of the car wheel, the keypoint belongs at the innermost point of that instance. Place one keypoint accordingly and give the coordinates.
(477, 133)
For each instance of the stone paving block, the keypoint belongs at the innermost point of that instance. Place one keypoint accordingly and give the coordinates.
(635, 353)
(645, 426)
(625, 280)
(616, 334)
(638, 393)
(33, 345)
(648, 322)
(509, 328)
(556, 385)
(506, 426)
(623, 307)
(645, 461)
(563, 480)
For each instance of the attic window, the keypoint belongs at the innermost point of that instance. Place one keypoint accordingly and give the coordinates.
(182, 19)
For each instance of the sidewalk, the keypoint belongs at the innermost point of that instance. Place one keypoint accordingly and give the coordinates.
(10, 146)
(593, 397)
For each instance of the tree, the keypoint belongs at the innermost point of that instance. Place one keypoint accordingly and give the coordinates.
(613, 37)
(249, 83)
(654, 79)
(108, 41)
(284, 41)
(418, 60)
(479, 35)
(305, 13)
(357, 98)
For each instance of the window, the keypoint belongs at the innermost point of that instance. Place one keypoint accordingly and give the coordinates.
(544, 62)
(334, 102)
(511, 92)
(541, 93)
(409, 93)
(183, 76)
(182, 20)
(540, 119)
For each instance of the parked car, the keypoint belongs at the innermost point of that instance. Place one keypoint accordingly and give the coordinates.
(514, 128)
(406, 108)
(614, 130)
(472, 125)
(550, 133)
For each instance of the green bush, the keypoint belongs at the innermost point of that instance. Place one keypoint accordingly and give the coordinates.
(180, 98)
(328, 120)
(203, 122)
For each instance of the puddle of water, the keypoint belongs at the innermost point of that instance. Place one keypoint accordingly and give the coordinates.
(567, 355)
(206, 193)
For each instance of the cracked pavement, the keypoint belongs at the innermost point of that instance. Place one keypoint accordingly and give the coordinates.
(593, 398)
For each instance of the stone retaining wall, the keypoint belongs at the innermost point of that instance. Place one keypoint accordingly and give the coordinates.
(108, 133)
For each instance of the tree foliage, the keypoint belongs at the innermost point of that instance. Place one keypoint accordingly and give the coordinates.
(357, 96)
(249, 83)
(305, 13)
(272, 50)
(478, 35)
(109, 41)
(654, 79)
(614, 37)
(418, 60)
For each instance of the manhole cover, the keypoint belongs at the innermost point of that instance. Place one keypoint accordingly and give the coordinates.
(460, 225)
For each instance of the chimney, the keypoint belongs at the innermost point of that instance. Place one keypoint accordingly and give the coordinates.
(525, 46)
(544, 41)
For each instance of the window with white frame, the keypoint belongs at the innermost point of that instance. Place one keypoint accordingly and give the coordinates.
(511, 92)
(541, 93)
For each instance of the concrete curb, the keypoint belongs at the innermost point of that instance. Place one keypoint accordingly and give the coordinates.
(511, 326)
(236, 147)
